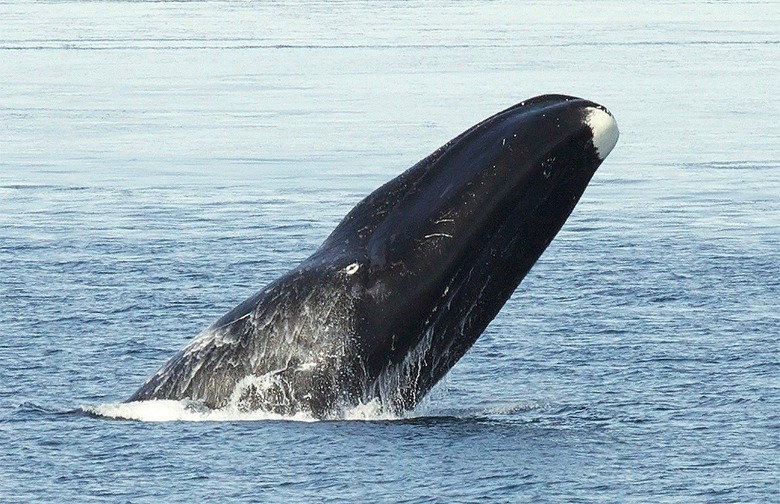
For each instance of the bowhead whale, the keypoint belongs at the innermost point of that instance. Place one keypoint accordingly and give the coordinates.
(411, 277)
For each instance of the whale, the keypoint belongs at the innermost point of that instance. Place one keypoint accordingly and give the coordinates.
(408, 280)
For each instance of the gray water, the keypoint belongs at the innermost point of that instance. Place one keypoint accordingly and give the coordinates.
(160, 162)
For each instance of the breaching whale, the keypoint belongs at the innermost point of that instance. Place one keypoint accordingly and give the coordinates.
(408, 280)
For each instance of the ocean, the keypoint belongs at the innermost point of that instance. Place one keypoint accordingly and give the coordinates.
(162, 161)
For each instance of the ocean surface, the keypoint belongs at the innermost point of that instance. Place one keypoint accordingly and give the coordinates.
(160, 162)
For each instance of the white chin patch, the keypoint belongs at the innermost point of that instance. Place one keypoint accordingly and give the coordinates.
(605, 131)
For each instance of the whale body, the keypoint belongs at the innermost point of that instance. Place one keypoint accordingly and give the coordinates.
(408, 280)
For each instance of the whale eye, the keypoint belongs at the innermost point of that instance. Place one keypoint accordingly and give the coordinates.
(352, 268)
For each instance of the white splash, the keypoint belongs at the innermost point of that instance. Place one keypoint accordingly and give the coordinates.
(183, 411)
(193, 411)
(370, 411)
(605, 130)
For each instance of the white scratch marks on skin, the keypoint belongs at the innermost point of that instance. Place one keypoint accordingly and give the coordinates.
(437, 235)
(228, 323)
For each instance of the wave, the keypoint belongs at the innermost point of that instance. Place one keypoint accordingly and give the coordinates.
(164, 410)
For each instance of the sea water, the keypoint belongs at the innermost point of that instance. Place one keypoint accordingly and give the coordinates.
(160, 162)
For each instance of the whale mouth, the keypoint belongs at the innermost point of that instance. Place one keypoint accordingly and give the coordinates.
(604, 128)
(520, 174)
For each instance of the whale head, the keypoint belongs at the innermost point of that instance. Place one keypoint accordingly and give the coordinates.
(434, 254)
